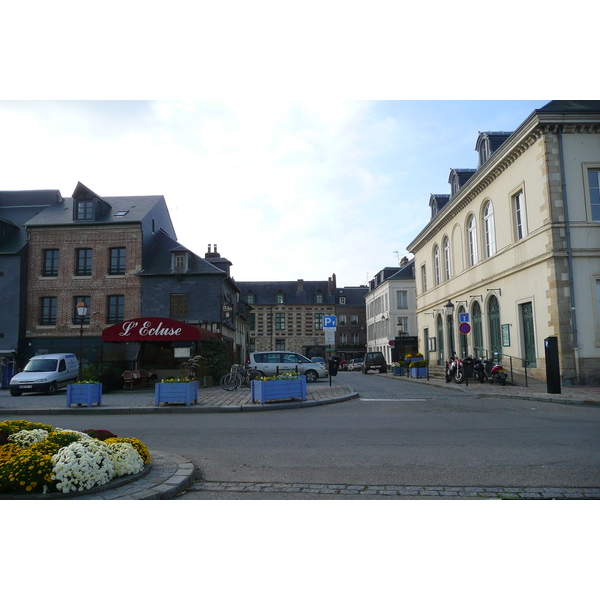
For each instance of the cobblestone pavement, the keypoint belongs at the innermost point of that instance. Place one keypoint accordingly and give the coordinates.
(398, 491)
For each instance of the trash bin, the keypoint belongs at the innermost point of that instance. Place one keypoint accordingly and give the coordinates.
(334, 365)
(468, 366)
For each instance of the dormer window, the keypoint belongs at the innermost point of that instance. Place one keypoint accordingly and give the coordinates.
(250, 298)
(180, 261)
(84, 210)
(280, 298)
(319, 298)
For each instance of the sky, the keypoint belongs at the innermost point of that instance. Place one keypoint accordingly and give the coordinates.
(286, 189)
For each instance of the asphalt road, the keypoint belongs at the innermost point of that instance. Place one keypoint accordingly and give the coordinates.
(397, 433)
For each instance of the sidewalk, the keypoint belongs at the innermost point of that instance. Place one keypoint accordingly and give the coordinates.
(213, 399)
(535, 390)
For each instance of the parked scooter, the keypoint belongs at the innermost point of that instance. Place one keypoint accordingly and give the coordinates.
(451, 367)
(493, 371)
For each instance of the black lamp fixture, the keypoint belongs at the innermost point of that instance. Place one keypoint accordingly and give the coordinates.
(449, 308)
(82, 310)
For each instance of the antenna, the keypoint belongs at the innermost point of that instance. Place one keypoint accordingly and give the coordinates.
(397, 256)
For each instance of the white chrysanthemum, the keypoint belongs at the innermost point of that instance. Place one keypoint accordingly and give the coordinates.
(126, 459)
(27, 437)
(82, 465)
(82, 436)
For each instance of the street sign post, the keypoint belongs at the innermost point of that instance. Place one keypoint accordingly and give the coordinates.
(464, 328)
(330, 322)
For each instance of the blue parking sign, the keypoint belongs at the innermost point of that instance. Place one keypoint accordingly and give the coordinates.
(329, 321)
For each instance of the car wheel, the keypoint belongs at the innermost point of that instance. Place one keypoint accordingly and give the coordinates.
(15, 393)
(311, 376)
(52, 388)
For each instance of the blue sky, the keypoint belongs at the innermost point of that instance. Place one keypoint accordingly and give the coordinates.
(285, 189)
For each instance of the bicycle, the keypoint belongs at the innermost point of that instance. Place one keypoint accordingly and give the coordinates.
(238, 376)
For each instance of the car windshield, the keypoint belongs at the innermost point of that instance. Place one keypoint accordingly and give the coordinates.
(42, 365)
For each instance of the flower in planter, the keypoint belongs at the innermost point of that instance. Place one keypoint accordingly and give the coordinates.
(419, 363)
(85, 382)
(176, 380)
(398, 364)
(283, 377)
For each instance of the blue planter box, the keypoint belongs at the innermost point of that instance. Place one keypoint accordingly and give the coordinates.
(418, 372)
(84, 393)
(398, 370)
(176, 392)
(278, 390)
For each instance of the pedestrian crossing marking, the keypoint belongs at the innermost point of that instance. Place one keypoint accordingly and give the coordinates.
(393, 400)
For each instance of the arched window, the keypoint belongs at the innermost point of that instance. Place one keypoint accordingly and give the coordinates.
(436, 264)
(494, 323)
(464, 346)
(472, 238)
(279, 297)
(440, 340)
(489, 230)
(477, 330)
(447, 269)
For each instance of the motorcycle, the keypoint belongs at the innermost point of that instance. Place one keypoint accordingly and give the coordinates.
(454, 369)
(451, 367)
(493, 371)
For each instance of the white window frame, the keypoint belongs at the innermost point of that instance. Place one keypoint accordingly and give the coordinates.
(423, 278)
(447, 262)
(489, 229)
(591, 192)
(436, 264)
(401, 299)
(520, 215)
(472, 240)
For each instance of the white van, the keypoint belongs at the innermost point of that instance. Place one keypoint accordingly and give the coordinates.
(45, 373)
(274, 363)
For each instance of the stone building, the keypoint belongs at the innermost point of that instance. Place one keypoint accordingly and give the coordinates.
(288, 315)
(515, 248)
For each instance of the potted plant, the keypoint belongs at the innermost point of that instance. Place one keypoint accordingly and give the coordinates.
(87, 391)
(418, 368)
(176, 390)
(282, 387)
(398, 367)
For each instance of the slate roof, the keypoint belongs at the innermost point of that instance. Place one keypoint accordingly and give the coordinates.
(355, 296)
(16, 209)
(158, 260)
(570, 106)
(61, 213)
(265, 291)
(406, 272)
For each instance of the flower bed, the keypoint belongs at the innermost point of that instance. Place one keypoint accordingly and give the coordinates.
(40, 459)
(281, 387)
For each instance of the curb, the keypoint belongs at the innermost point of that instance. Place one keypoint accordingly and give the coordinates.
(168, 476)
(178, 409)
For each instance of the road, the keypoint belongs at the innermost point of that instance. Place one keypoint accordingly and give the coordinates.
(397, 433)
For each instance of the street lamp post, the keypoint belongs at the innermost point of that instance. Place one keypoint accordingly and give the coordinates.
(81, 312)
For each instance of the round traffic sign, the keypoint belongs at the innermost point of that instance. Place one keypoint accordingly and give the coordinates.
(464, 328)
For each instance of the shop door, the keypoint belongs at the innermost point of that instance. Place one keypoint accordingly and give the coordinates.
(528, 333)
(440, 340)
(477, 330)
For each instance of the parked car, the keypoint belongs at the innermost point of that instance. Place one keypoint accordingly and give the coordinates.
(319, 359)
(45, 373)
(355, 364)
(374, 361)
(273, 363)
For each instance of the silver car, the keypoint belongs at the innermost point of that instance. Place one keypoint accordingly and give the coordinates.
(355, 364)
(275, 363)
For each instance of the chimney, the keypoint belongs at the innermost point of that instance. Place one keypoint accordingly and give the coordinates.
(300, 285)
(403, 261)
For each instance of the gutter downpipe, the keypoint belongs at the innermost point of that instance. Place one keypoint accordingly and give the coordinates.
(569, 255)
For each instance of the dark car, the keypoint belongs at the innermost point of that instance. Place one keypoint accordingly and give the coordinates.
(374, 361)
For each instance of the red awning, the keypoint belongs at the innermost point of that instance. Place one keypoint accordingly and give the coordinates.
(151, 329)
